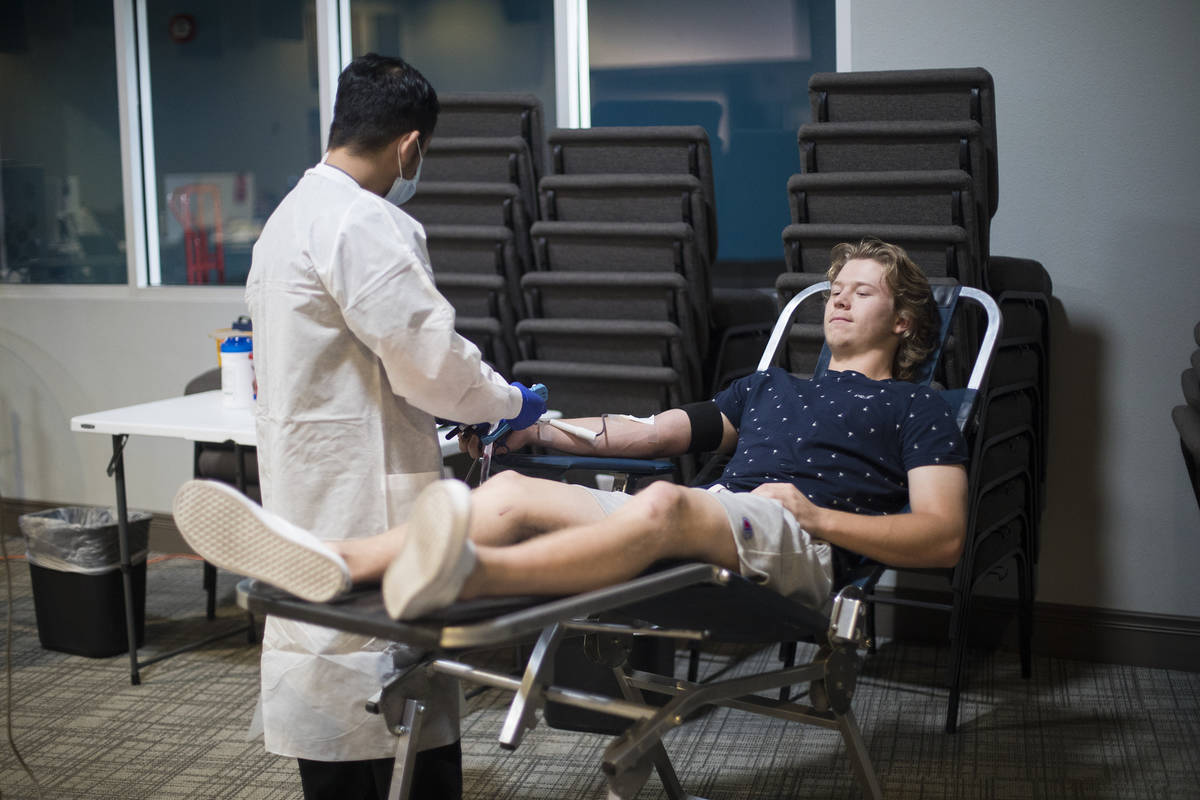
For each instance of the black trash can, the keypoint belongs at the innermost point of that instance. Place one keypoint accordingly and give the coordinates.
(74, 557)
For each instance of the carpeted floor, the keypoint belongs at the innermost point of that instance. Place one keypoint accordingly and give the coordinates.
(1075, 730)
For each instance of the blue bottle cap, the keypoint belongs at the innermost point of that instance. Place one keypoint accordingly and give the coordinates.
(237, 344)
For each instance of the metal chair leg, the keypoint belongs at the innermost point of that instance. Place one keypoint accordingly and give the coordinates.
(693, 663)
(958, 657)
(787, 654)
(1025, 614)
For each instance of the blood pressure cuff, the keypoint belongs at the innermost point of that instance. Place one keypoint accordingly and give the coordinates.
(707, 428)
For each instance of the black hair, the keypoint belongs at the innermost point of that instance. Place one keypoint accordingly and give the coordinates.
(380, 98)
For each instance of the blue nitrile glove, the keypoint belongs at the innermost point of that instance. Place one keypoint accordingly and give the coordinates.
(533, 405)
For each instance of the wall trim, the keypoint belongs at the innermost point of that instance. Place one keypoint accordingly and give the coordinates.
(1081, 633)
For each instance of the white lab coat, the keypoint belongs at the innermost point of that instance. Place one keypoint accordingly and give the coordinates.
(355, 352)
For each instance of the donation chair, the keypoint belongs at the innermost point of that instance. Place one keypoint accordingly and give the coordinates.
(683, 601)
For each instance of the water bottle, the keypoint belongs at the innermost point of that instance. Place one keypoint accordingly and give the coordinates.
(237, 372)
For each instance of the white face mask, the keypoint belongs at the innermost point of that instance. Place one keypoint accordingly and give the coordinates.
(404, 188)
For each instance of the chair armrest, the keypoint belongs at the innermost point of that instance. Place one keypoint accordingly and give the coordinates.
(554, 466)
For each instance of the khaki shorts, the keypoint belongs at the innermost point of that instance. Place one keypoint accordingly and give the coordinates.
(773, 549)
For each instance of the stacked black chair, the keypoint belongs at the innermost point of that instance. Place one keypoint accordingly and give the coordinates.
(477, 199)
(920, 141)
(1187, 417)
(1008, 464)
(932, 213)
(929, 146)
(912, 95)
(1023, 289)
(619, 304)
(909, 156)
(496, 115)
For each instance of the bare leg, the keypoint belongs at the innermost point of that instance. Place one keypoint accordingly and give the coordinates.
(506, 509)
(663, 521)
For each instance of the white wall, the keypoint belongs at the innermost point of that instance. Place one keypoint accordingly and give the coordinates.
(67, 351)
(1097, 114)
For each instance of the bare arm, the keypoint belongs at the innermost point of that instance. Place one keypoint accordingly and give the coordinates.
(931, 535)
(669, 435)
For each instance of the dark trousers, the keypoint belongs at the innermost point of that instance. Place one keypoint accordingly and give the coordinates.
(437, 775)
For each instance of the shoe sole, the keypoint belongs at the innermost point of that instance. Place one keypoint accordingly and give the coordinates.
(441, 503)
(228, 531)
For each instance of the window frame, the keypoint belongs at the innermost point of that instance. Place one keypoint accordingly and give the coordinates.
(136, 135)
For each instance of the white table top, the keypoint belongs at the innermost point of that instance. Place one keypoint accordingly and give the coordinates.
(200, 417)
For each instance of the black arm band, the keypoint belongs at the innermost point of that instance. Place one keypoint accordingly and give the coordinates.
(707, 428)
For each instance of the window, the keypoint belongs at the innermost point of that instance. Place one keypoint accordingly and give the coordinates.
(235, 122)
(63, 217)
(465, 45)
(220, 107)
(741, 71)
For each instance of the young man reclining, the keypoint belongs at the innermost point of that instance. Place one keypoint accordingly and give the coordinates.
(816, 464)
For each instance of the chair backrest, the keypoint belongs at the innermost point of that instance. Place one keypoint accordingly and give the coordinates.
(450, 203)
(206, 381)
(941, 250)
(219, 461)
(628, 247)
(891, 197)
(630, 198)
(1189, 381)
(925, 94)
(454, 203)
(1187, 417)
(947, 297)
(910, 146)
(479, 250)
(648, 150)
(609, 295)
(479, 160)
(495, 114)
(1187, 422)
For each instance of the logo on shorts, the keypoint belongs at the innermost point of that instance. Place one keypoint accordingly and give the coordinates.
(747, 529)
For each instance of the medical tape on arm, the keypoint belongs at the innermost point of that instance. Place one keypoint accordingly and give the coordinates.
(546, 435)
(574, 430)
(641, 430)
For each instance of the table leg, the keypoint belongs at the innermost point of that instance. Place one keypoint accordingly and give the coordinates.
(210, 587)
(117, 469)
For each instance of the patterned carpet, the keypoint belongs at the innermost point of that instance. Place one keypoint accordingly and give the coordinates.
(1075, 730)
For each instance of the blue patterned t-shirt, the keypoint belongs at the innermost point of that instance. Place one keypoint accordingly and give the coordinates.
(846, 441)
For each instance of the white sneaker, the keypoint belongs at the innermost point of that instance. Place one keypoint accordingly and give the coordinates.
(233, 532)
(437, 557)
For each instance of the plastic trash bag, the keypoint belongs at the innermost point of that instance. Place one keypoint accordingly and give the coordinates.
(82, 539)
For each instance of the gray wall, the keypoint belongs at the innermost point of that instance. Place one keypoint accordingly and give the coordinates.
(1097, 112)
(1097, 172)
